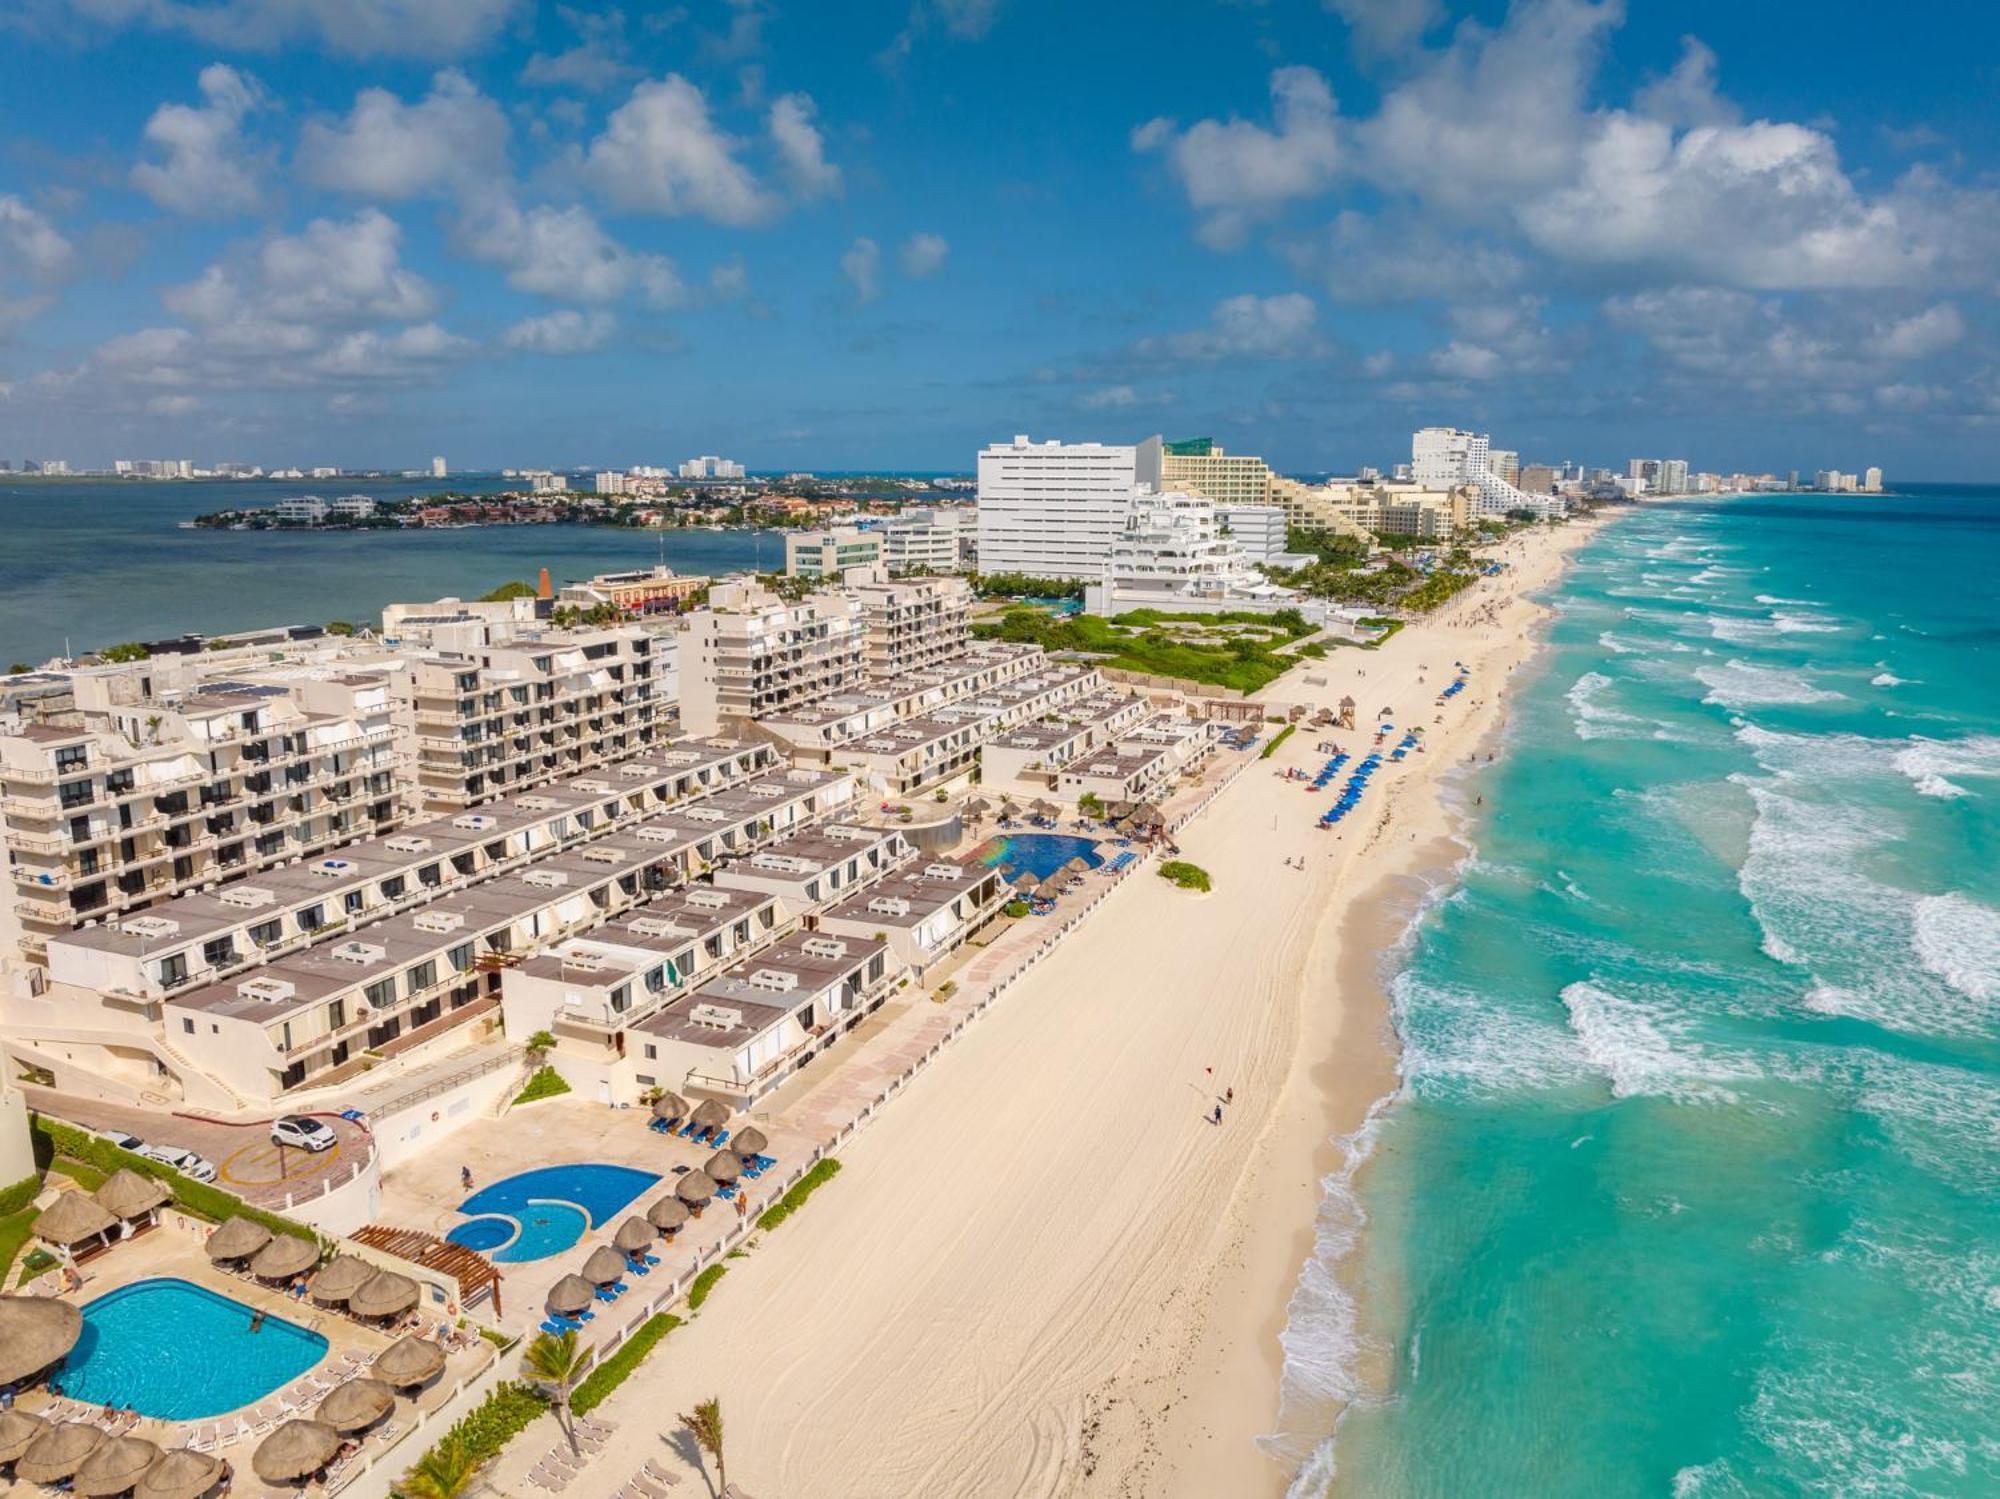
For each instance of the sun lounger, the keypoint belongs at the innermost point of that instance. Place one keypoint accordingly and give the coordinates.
(556, 1329)
(648, 1487)
(721, 1139)
(661, 1474)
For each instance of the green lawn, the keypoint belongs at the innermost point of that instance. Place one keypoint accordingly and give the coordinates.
(1238, 649)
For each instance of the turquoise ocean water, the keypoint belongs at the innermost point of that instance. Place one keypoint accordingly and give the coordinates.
(1693, 1184)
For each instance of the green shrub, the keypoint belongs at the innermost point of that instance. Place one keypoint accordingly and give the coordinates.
(612, 1372)
(1187, 876)
(822, 1173)
(548, 1083)
(18, 1196)
(128, 650)
(1277, 739)
(703, 1284)
(495, 1422)
(15, 1230)
(1015, 908)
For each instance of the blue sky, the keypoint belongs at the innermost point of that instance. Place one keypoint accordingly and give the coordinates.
(878, 235)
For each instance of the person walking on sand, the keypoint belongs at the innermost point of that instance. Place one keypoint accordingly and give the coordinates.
(1229, 1095)
(1216, 1117)
(465, 1177)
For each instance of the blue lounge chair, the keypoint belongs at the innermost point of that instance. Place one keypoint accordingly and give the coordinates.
(553, 1329)
(605, 1293)
(721, 1139)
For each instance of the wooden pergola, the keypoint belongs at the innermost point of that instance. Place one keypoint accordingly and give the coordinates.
(471, 1269)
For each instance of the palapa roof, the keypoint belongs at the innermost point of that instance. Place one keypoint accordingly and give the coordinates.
(1008, 808)
(670, 1106)
(127, 1194)
(237, 1238)
(1042, 808)
(295, 1450)
(284, 1256)
(1077, 865)
(710, 1113)
(115, 1466)
(604, 1266)
(695, 1188)
(978, 806)
(35, 1331)
(358, 1403)
(339, 1278)
(749, 1140)
(18, 1430)
(724, 1167)
(383, 1294)
(668, 1213)
(72, 1218)
(571, 1294)
(634, 1234)
(58, 1452)
(180, 1474)
(409, 1361)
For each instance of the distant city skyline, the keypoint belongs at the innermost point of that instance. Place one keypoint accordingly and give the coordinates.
(527, 234)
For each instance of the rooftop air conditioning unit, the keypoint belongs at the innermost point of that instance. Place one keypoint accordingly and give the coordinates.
(536, 804)
(270, 991)
(250, 897)
(706, 898)
(407, 845)
(475, 822)
(547, 879)
(602, 855)
(944, 871)
(830, 947)
(656, 926)
(656, 835)
(889, 905)
(360, 953)
(704, 814)
(766, 790)
(635, 771)
(845, 834)
(152, 928)
(803, 777)
(721, 1017)
(595, 788)
(333, 868)
(777, 981)
(437, 921)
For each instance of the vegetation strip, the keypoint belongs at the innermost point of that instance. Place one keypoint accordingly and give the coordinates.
(822, 1173)
(613, 1371)
(547, 1083)
(1187, 876)
(703, 1284)
(478, 1437)
(1277, 739)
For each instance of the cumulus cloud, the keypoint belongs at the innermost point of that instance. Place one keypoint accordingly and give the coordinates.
(1496, 338)
(660, 152)
(200, 164)
(1247, 327)
(861, 264)
(384, 148)
(359, 28)
(1687, 95)
(597, 62)
(1921, 335)
(565, 331)
(564, 254)
(34, 255)
(924, 255)
(801, 147)
(1400, 256)
(1387, 25)
(1235, 171)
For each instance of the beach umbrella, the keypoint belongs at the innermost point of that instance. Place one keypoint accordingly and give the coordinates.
(695, 1189)
(296, 1450)
(977, 807)
(237, 1239)
(357, 1404)
(571, 1295)
(670, 1106)
(284, 1257)
(180, 1474)
(1009, 809)
(749, 1141)
(604, 1266)
(115, 1467)
(1021, 879)
(72, 1218)
(383, 1294)
(668, 1214)
(18, 1431)
(709, 1114)
(57, 1453)
(126, 1194)
(409, 1361)
(1044, 809)
(1078, 865)
(724, 1167)
(634, 1235)
(35, 1331)
(339, 1278)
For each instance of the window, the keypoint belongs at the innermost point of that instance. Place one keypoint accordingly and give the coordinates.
(219, 950)
(336, 1015)
(72, 757)
(381, 995)
(393, 887)
(75, 793)
(460, 957)
(264, 933)
(312, 918)
(174, 969)
(656, 980)
(420, 978)
(187, 1024)
(353, 901)
(652, 1052)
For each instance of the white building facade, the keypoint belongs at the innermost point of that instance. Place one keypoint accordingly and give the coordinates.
(1053, 509)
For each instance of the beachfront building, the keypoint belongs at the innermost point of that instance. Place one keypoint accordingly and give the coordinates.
(1386, 507)
(932, 541)
(1447, 458)
(750, 654)
(830, 553)
(1258, 531)
(301, 510)
(1141, 764)
(1053, 509)
(924, 913)
(1171, 553)
(1025, 760)
(912, 624)
(808, 870)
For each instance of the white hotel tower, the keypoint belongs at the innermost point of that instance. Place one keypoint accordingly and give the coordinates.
(1053, 509)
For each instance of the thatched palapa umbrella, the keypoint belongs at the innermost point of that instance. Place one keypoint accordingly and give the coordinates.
(1078, 865)
(670, 1106)
(383, 1294)
(709, 1114)
(35, 1331)
(57, 1453)
(571, 1295)
(115, 1467)
(634, 1236)
(72, 1218)
(339, 1278)
(695, 1189)
(1008, 809)
(238, 1239)
(977, 807)
(410, 1361)
(605, 1266)
(749, 1141)
(128, 1195)
(180, 1474)
(668, 1214)
(18, 1431)
(724, 1168)
(285, 1256)
(357, 1405)
(296, 1450)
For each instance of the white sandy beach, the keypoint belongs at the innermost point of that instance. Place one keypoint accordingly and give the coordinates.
(1044, 1271)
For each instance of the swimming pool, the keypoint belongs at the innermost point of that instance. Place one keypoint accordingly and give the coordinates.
(543, 1212)
(1041, 854)
(169, 1348)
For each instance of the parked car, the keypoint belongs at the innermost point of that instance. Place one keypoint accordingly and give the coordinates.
(190, 1165)
(128, 1142)
(304, 1133)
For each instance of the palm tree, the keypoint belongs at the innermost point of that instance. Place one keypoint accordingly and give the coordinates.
(444, 1472)
(556, 1361)
(704, 1424)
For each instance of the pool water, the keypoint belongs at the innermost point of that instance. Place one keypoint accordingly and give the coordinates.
(170, 1349)
(543, 1212)
(1040, 854)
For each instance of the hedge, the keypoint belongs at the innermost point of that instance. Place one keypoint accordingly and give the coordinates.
(612, 1372)
(795, 1199)
(1187, 876)
(495, 1421)
(1277, 739)
(703, 1284)
(547, 1083)
(53, 1138)
(18, 1196)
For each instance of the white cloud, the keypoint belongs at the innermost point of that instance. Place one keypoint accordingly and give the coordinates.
(1387, 25)
(862, 264)
(1400, 256)
(1923, 335)
(452, 138)
(33, 255)
(1247, 327)
(565, 331)
(661, 153)
(924, 255)
(337, 272)
(730, 280)
(598, 61)
(406, 354)
(361, 28)
(1235, 171)
(202, 165)
(802, 148)
(1110, 398)
(564, 254)
(1687, 96)
(1496, 338)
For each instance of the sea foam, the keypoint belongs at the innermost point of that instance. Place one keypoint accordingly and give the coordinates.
(1737, 684)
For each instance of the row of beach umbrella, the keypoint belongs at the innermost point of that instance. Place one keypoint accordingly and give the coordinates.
(366, 1290)
(96, 1464)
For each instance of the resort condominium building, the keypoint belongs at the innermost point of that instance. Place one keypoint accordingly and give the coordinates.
(1052, 509)
(938, 541)
(751, 653)
(828, 554)
(912, 624)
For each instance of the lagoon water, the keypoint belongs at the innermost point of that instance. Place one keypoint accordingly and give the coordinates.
(93, 563)
(1693, 1184)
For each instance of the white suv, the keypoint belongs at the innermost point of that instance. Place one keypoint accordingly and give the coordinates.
(304, 1133)
(186, 1162)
